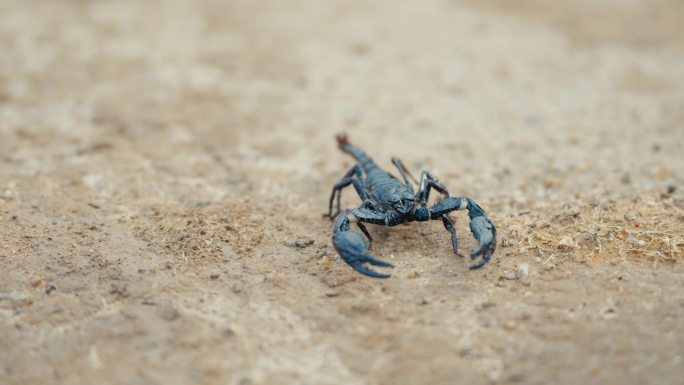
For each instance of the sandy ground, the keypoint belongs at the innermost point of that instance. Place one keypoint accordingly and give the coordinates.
(158, 159)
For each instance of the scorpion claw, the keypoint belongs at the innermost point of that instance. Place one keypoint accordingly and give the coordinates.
(358, 266)
(484, 260)
(481, 248)
(352, 248)
(484, 232)
(377, 262)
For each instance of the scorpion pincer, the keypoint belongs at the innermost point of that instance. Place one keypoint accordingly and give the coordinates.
(385, 200)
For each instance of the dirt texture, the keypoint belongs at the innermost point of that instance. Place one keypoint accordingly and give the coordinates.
(164, 166)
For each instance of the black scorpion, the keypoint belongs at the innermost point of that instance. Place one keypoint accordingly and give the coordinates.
(387, 201)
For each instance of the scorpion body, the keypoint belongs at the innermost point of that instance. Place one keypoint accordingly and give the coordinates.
(388, 201)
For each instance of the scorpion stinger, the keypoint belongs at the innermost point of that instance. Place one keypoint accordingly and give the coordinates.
(387, 201)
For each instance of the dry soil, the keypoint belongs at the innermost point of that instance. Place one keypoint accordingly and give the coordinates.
(164, 166)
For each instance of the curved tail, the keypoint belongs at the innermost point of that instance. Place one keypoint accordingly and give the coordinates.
(364, 160)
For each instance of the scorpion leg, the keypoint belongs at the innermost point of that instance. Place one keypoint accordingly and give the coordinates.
(428, 181)
(449, 226)
(480, 225)
(365, 232)
(369, 204)
(352, 247)
(405, 174)
(346, 180)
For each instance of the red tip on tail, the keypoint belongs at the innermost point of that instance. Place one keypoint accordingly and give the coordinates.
(342, 139)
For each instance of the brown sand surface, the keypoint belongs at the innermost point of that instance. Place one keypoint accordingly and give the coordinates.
(159, 160)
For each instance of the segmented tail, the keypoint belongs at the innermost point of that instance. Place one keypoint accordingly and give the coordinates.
(364, 160)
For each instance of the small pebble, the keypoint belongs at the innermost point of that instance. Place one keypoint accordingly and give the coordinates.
(509, 325)
(566, 243)
(237, 288)
(331, 293)
(49, 288)
(299, 243)
(169, 313)
(256, 218)
(412, 275)
(524, 273)
(507, 242)
(510, 275)
(550, 182)
(35, 282)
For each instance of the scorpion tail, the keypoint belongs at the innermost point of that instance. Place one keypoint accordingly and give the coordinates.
(351, 246)
(364, 160)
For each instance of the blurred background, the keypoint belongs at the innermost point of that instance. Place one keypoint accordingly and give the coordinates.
(160, 161)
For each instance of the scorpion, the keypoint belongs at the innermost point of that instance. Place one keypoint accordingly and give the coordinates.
(388, 201)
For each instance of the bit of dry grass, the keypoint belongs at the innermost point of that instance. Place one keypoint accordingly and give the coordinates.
(198, 235)
(644, 229)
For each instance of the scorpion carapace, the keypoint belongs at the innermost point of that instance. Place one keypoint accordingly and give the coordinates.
(385, 200)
